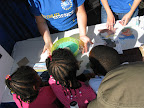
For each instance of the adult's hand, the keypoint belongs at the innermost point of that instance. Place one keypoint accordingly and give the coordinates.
(47, 47)
(125, 19)
(84, 40)
(44, 30)
(110, 21)
(127, 16)
(82, 23)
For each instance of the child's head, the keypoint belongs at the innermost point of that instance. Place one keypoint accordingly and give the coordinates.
(24, 82)
(103, 59)
(63, 66)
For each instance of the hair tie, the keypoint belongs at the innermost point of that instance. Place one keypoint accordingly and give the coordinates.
(8, 77)
(50, 57)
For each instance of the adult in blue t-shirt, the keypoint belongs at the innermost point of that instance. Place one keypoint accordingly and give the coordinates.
(118, 10)
(60, 15)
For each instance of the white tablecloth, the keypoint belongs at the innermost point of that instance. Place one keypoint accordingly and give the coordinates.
(32, 48)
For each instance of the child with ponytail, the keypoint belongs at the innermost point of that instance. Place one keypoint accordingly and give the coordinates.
(29, 91)
(62, 66)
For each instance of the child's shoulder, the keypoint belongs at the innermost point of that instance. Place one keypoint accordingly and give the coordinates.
(45, 88)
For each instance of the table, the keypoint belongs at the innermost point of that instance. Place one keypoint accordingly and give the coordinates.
(32, 48)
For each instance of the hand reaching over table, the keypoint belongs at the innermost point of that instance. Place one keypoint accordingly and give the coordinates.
(47, 47)
(84, 40)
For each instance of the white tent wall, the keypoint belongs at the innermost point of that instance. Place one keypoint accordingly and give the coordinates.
(6, 62)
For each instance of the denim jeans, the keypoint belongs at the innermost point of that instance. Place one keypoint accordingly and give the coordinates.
(118, 16)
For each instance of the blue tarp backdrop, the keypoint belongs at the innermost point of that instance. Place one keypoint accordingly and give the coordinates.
(16, 23)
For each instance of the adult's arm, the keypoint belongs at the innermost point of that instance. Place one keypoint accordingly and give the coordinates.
(110, 16)
(127, 17)
(82, 23)
(44, 31)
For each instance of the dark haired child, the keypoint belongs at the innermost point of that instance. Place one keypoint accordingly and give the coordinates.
(29, 91)
(102, 60)
(62, 67)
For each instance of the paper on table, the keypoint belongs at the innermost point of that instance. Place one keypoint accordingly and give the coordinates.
(136, 41)
(109, 38)
(24, 61)
(43, 56)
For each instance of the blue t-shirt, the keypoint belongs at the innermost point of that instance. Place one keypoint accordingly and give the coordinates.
(59, 15)
(120, 6)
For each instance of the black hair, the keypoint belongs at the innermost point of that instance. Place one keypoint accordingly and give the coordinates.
(63, 66)
(103, 59)
(22, 83)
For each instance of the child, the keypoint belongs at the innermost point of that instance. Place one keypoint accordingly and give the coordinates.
(122, 87)
(63, 66)
(28, 89)
(102, 59)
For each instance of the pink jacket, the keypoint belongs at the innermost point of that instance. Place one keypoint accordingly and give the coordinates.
(83, 95)
(45, 99)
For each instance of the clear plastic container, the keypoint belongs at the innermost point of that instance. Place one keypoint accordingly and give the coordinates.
(137, 21)
(141, 22)
(74, 104)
